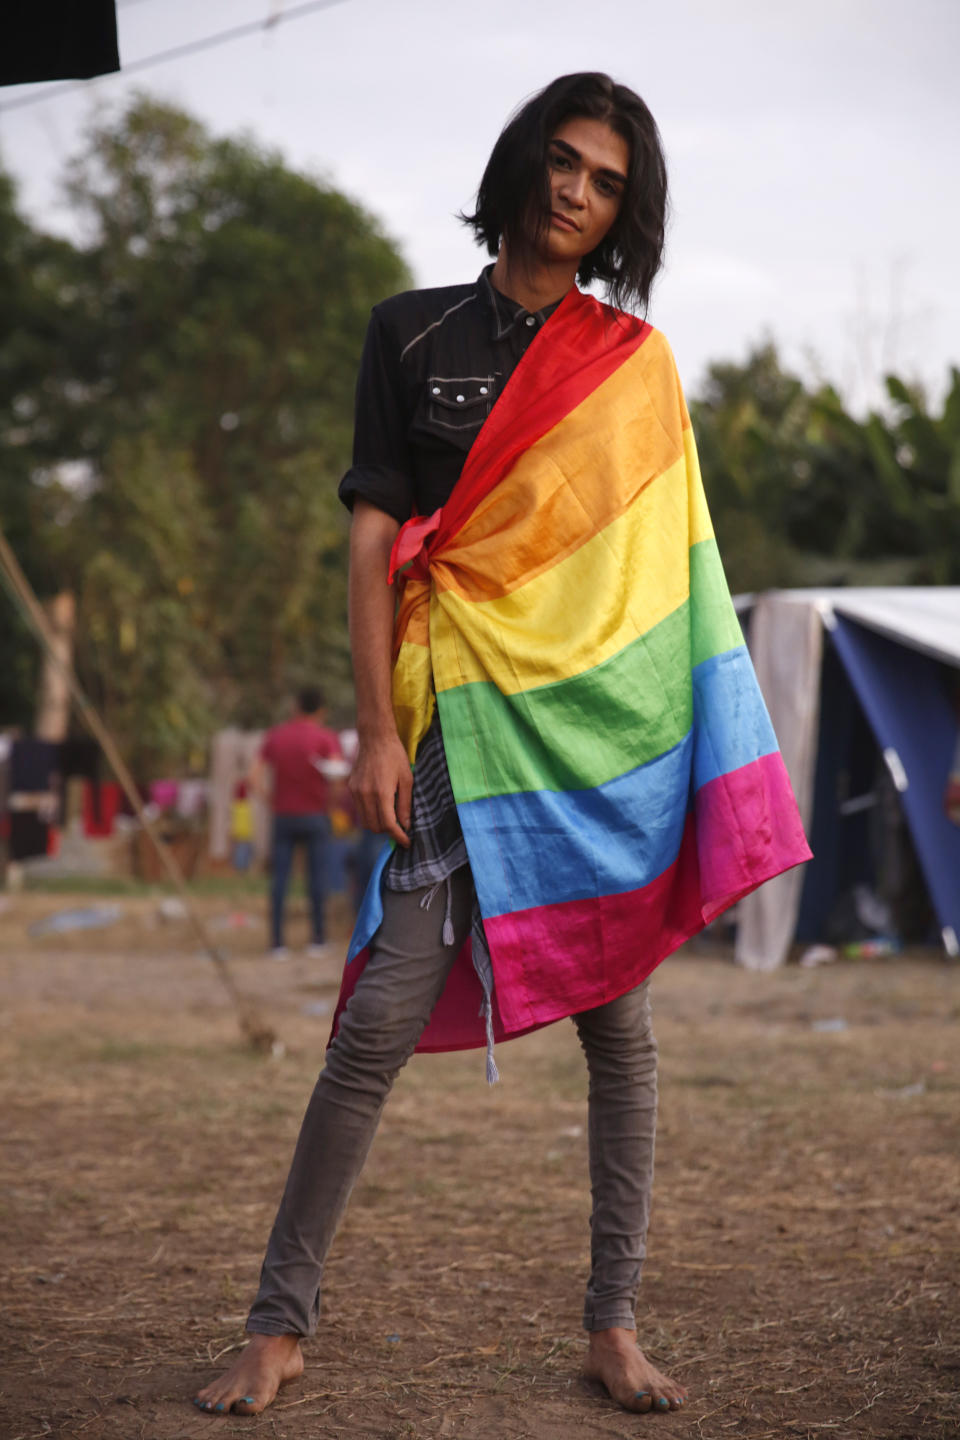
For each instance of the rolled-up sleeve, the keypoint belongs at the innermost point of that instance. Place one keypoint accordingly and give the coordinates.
(381, 472)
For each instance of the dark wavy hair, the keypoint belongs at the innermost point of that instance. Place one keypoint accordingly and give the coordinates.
(310, 699)
(631, 253)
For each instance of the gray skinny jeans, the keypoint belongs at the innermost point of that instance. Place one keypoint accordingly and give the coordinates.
(403, 979)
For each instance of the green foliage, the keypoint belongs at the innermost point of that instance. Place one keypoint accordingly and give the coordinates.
(145, 641)
(32, 333)
(803, 493)
(750, 424)
(197, 356)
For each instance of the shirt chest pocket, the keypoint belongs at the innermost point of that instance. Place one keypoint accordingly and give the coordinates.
(459, 404)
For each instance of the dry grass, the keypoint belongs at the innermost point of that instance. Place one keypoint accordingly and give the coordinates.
(804, 1254)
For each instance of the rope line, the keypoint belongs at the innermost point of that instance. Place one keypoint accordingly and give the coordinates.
(178, 52)
(25, 600)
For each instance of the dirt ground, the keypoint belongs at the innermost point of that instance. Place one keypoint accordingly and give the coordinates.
(804, 1252)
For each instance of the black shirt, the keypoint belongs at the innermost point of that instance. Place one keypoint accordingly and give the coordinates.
(434, 363)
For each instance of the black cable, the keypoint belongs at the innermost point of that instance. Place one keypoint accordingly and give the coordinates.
(179, 52)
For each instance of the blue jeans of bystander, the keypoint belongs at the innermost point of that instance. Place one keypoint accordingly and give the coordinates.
(312, 831)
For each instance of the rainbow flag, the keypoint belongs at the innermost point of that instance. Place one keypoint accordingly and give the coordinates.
(615, 771)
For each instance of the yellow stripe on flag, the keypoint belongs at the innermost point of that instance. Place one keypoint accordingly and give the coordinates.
(606, 594)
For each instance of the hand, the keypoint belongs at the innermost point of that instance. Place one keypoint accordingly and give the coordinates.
(381, 785)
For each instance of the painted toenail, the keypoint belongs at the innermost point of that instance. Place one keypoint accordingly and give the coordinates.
(640, 1395)
(663, 1403)
(248, 1399)
(220, 1406)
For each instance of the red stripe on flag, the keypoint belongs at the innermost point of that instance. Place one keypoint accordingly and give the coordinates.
(582, 344)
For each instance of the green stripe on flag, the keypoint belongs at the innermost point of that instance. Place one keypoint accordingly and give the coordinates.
(582, 732)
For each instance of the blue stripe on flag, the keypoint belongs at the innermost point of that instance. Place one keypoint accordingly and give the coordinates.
(543, 847)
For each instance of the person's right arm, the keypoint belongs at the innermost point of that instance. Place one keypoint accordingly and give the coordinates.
(379, 490)
(382, 781)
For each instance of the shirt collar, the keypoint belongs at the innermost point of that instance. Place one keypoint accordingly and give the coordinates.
(506, 314)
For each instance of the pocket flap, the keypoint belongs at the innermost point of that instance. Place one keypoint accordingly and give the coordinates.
(466, 396)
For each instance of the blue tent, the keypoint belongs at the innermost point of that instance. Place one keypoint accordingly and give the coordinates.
(868, 710)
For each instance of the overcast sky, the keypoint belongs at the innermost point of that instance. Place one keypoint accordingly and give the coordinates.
(813, 146)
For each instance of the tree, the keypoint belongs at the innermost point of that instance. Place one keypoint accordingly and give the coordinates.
(34, 279)
(214, 321)
(898, 476)
(750, 423)
(803, 493)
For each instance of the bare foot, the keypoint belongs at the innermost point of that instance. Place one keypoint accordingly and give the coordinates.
(254, 1378)
(615, 1359)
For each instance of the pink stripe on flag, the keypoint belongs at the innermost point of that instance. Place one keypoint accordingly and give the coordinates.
(757, 801)
(557, 959)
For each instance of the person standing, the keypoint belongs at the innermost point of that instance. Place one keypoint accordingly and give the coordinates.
(241, 828)
(559, 725)
(294, 769)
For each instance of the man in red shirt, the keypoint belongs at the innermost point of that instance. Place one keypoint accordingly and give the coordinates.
(302, 756)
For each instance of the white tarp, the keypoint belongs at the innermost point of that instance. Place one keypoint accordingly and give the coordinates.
(925, 617)
(786, 644)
